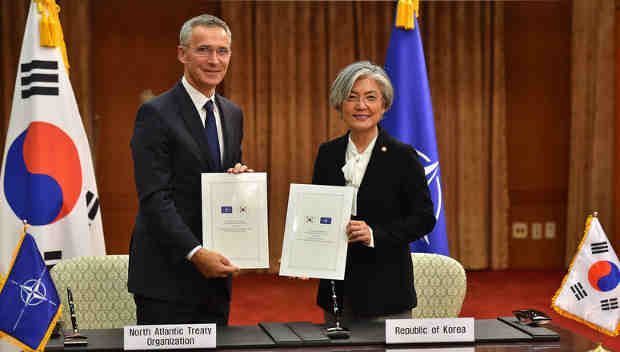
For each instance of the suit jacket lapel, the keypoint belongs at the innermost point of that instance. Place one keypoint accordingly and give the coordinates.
(194, 125)
(374, 168)
(340, 151)
(225, 113)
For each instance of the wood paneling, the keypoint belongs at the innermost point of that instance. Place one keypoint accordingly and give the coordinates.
(592, 132)
(13, 16)
(293, 60)
(285, 55)
(615, 237)
(134, 50)
(466, 83)
(537, 53)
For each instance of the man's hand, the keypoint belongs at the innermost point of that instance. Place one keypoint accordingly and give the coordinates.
(212, 264)
(239, 168)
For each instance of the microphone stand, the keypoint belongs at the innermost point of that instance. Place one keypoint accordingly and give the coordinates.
(336, 332)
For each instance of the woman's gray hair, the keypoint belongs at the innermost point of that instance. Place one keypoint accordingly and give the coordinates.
(203, 20)
(341, 88)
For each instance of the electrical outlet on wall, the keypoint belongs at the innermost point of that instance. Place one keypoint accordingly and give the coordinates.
(519, 229)
(550, 229)
(537, 231)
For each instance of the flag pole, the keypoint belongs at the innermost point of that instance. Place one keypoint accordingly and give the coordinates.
(25, 222)
(600, 347)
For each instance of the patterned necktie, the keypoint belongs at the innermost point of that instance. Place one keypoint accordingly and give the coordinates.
(211, 131)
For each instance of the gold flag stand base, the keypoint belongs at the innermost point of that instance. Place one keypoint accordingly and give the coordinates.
(599, 348)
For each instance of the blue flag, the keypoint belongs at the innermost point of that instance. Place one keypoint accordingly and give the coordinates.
(29, 303)
(410, 119)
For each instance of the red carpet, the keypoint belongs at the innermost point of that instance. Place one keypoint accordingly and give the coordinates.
(264, 297)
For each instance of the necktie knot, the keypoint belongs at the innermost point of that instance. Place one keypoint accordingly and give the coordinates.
(209, 107)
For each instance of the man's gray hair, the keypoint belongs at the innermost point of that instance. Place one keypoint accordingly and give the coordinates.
(341, 88)
(203, 20)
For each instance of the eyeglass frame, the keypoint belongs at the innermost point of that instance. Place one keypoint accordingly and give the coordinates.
(206, 50)
(366, 100)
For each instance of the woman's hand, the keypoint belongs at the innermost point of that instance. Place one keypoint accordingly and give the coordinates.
(358, 231)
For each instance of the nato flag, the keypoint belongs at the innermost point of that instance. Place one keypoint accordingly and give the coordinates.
(410, 119)
(29, 303)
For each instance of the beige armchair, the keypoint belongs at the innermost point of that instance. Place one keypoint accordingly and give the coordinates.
(99, 287)
(440, 284)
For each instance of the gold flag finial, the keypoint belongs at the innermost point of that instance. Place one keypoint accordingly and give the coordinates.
(50, 30)
(405, 12)
(25, 222)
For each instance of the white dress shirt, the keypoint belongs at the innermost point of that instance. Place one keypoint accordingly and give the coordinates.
(199, 101)
(354, 170)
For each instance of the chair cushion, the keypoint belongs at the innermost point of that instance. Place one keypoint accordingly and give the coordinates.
(440, 284)
(99, 288)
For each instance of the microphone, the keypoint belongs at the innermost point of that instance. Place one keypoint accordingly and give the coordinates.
(75, 338)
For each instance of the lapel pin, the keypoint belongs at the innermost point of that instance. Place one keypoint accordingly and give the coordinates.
(384, 149)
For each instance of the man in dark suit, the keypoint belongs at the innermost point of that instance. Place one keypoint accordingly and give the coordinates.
(178, 135)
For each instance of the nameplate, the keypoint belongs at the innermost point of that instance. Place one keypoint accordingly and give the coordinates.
(162, 337)
(438, 349)
(429, 330)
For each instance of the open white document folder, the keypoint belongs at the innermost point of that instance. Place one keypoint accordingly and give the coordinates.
(234, 217)
(315, 240)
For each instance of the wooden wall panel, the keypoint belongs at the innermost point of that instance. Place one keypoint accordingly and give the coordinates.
(343, 51)
(615, 237)
(592, 132)
(134, 51)
(76, 24)
(538, 50)
(13, 16)
(285, 55)
(472, 144)
(437, 30)
(458, 42)
(279, 74)
(500, 204)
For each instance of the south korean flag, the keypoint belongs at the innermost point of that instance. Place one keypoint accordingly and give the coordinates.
(590, 291)
(47, 177)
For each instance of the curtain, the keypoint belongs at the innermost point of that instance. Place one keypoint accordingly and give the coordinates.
(75, 20)
(13, 22)
(285, 56)
(282, 70)
(592, 148)
(466, 69)
(280, 75)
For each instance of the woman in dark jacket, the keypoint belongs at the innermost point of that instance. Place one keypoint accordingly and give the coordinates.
(392, 204)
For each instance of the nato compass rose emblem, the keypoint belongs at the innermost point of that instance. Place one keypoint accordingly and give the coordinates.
(431, 170)
(32, 293)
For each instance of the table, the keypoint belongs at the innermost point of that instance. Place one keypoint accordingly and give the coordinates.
(364, 338)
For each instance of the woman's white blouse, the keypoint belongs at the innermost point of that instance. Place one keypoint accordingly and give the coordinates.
(354, 170)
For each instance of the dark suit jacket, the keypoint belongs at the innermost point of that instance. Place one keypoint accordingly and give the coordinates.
(170, 151)
(394, 200)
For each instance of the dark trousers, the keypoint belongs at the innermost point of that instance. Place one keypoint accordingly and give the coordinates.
(151, 311)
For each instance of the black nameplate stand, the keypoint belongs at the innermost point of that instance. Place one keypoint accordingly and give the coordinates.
(539, 333)
(281, 334)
